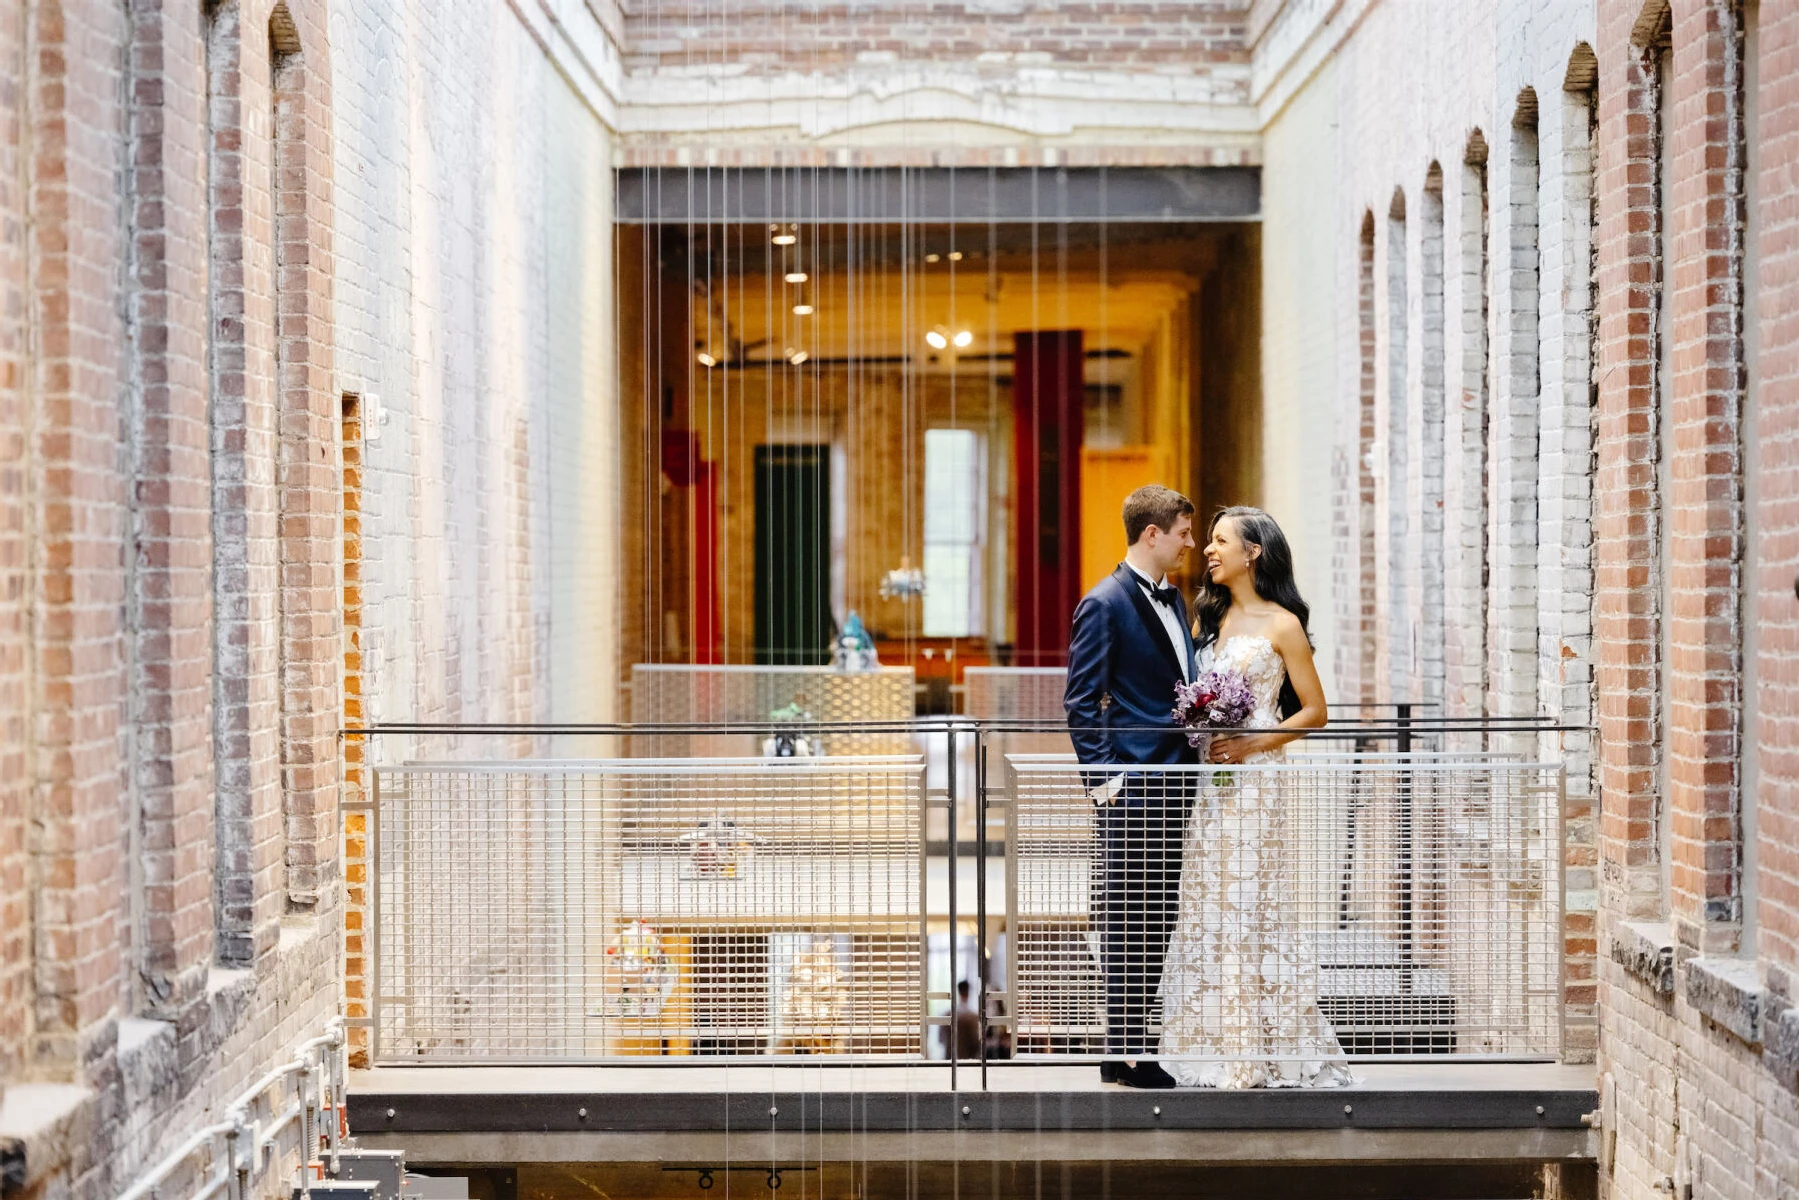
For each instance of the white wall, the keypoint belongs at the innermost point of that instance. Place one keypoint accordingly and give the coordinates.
(474, 283)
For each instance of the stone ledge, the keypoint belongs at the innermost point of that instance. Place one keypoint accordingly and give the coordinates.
(1780, 1036)
(40, 1123)
(1729, 993)
(1646, 950)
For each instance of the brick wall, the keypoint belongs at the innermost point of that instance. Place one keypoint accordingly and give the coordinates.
(246, 677)
(1700, 1035)
(80, 815)
(473, 326)
(172, 659)
(772, 38)
(169, 568)
(1440, 157)
(831, 84)
(16, 1016)
(1775, 522)
(140, 258)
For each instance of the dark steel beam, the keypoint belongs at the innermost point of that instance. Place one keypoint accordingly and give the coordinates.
(823, 1112)
(936, 195)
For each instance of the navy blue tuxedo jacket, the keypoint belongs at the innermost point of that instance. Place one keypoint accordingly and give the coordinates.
(1120, 649)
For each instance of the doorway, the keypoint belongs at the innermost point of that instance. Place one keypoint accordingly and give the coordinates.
(793, 547)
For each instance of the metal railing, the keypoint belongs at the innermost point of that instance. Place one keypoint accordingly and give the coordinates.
(235, 1154)
(535, 908)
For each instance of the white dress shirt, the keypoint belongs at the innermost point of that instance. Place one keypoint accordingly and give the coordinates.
(1179, 638)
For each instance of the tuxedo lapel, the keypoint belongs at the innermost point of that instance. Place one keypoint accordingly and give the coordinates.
(1152, 624)
(1180, 611)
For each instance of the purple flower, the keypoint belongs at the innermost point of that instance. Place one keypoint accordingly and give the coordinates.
(1216, 700)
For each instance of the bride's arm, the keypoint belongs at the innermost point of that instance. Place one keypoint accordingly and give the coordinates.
(1296, 652)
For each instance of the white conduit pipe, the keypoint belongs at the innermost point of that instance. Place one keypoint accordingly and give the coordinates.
(239, 1167)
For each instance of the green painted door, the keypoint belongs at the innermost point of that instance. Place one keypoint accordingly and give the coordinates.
(793, 555)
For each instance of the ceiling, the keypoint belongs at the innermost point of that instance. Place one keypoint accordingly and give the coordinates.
(881, 314)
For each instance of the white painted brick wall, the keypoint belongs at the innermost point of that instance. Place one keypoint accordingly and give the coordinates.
(474, 300)
(1409, 88)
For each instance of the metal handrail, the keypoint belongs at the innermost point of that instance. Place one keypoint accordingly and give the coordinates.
(249, 1144)
(1343, 747)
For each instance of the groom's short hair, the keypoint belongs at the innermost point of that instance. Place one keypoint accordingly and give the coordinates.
(1155, 505)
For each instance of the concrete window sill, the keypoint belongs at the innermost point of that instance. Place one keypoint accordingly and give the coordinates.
(1729, 993)
(37, 1130)
(1646, 950)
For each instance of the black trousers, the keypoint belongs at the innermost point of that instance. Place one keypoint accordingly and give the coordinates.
(1136, 898)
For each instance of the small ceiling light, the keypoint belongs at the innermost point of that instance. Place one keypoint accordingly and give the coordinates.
(706, 360)
(937, 340)
(798, 357)
(964, 338)
(955, 256)
(783, 235)
(796, 277)
(802, 310)
(930, 258)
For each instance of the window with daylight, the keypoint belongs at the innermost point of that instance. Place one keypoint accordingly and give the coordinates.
(955, 521)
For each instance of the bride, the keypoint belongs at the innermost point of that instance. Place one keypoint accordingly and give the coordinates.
(1240, 984)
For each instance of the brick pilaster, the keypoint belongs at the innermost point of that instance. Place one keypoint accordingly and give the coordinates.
(309, 475)
(170, 567)
(77, 580)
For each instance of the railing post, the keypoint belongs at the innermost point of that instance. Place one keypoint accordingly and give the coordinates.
(980, 892)
(309, 1095)
(1403, 720)
(373, 948)
(949, 1036)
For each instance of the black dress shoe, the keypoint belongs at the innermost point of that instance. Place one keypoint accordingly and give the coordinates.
(1144, 1075)
(1108, 1070)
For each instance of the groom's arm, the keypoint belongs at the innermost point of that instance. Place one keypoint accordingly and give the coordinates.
(1089, 678)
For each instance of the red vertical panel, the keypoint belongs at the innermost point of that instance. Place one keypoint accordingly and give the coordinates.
(708, 631)
(682, 463)
(1048, 396)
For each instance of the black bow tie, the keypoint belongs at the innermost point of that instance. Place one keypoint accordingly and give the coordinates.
(1163, 595)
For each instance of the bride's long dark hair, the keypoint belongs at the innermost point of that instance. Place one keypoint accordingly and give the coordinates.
(1273, 579)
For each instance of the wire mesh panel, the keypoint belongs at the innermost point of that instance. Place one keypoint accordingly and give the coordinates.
(1288, 914)
(676, 693)
(1020, 696)
(581, 910)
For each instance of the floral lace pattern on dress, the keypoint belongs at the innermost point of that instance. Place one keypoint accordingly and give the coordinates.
(1240, 983)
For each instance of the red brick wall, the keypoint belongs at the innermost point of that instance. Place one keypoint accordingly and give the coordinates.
(170, 562)
(245, 686)
(1699, 281)
(136, 337)
(77, 583)
(15, 557)
(1626, 624)
(1701, 1095)
(1705, 504)
(768, 37)
(309, 415)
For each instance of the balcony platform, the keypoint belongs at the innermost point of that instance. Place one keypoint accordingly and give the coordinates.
(1506, 1114)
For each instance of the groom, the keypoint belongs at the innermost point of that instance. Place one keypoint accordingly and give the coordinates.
(1131, 644)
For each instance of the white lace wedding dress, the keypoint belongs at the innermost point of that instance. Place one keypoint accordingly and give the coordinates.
(1240, 983)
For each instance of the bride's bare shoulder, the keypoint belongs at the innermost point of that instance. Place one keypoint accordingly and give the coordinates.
(1285, 631)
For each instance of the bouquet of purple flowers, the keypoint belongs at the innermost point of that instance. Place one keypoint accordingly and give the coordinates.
(1216, 700)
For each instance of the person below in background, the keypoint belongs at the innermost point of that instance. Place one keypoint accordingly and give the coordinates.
(967, 1024)
(999, 1041)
